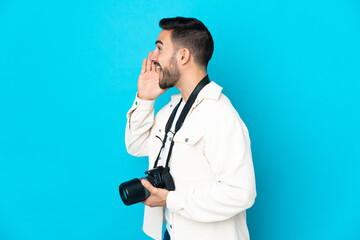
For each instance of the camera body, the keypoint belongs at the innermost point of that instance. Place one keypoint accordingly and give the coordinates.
(133, 191)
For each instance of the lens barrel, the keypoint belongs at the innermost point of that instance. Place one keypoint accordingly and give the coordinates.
(133, 191)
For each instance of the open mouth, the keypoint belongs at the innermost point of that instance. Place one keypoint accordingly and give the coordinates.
(157, 65)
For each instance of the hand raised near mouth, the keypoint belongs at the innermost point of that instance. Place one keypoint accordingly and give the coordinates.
(148, 82)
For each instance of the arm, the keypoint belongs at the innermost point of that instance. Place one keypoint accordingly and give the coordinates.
(227, 148)
(140, 117)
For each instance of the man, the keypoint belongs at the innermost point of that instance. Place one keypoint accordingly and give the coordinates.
(210, 160)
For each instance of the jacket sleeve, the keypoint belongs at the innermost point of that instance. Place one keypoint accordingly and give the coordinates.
(140, 119)
(227, 148)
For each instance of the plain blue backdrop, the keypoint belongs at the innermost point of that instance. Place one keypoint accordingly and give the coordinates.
(68, 75)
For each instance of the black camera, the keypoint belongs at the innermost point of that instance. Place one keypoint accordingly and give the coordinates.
(133, 191)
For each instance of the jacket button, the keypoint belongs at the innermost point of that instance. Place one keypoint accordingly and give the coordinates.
(170, 139)
(170, 226)
(186, 139)
(171, 105)
(136, 103)
(159, 130)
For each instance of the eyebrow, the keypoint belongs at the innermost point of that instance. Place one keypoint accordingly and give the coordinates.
(160, 42)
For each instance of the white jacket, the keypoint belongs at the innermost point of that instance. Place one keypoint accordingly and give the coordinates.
(211, 165)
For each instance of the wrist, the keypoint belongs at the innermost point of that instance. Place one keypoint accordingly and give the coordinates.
(143, 104)
(142, 97)
(165, 197)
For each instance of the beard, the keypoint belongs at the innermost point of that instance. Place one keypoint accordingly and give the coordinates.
(170, 75)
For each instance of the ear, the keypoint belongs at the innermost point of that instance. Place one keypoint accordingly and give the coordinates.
(184, 55)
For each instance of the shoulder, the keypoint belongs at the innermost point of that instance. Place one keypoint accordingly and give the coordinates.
(221, 115)
(212, 98)
(220, 108)
(224, 122)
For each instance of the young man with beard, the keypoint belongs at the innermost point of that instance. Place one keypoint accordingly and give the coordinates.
(209, 155)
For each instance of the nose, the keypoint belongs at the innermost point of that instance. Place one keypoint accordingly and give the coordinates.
(154, 55)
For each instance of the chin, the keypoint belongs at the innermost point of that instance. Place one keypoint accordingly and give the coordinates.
(160, 85)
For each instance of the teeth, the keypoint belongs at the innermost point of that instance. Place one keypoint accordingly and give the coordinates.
(158, 67)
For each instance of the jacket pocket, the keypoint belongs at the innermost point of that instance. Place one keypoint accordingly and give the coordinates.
(188, 161)
(188, 136)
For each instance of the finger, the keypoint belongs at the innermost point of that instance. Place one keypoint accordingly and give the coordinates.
(148, 65)
(143, 67)
(148, 186)
(153, 67)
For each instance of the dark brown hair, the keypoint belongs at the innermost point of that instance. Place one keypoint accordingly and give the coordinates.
(192, 34)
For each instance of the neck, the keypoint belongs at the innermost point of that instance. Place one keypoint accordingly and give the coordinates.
(188, 82)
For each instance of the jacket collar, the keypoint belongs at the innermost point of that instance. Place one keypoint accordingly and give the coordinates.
(210, 91)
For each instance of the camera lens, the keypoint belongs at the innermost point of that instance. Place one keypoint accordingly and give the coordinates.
(124, 194)
(132, 192)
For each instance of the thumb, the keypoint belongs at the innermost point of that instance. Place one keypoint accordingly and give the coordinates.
(148, 186)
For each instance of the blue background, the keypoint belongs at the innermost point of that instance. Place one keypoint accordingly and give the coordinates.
(68, 72)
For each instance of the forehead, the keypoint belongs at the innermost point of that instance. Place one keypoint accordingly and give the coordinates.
(164, 38)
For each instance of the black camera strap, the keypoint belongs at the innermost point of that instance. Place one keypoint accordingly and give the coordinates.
(181, 118)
